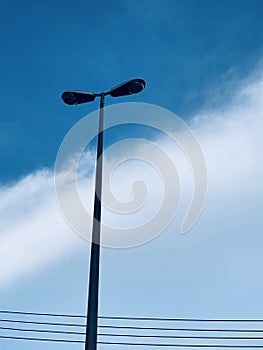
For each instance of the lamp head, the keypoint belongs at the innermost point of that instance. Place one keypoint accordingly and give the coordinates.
(77, 97)
(129, 87)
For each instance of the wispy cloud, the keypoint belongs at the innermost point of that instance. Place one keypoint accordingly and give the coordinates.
(232, 141)
(33, 232)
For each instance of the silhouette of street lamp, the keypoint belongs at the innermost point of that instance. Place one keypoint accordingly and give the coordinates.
(130, 87)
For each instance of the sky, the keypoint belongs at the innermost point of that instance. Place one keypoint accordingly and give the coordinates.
(201, 60)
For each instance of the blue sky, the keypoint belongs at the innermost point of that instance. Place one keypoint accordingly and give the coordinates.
(203, 61)
(182, 49)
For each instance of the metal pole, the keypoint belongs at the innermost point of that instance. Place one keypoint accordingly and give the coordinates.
(92, 316)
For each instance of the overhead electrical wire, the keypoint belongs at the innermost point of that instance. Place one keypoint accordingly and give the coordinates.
(44, 323)
(39, 314)
(138, 330)
(41, 339)
(132, 318)
(133, 335)
(178, 319)
(136, 327)
(43, 331)
(183, 329)
(227, 346)
(188, 345)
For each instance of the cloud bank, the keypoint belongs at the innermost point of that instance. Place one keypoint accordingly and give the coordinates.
(34, 233)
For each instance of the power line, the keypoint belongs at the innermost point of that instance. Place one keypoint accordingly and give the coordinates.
(179, 336)
(39, 314)
(184, 329)
(143, 330)
(41, 339)
(138, 344)
(136, 327)
(142, 318)
(131, 335)
(188, 345)
(177, 319)
(44, 323)
(43, 331)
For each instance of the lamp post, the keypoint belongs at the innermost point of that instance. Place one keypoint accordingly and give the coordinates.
(130, 87)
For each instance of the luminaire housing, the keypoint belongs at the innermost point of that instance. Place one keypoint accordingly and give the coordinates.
(129, 87)
(77, 97)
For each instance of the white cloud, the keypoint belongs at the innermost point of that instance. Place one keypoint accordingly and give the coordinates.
(232, 142)
(34, 234)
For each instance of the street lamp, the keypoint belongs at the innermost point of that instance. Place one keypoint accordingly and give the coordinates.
(130, 87)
